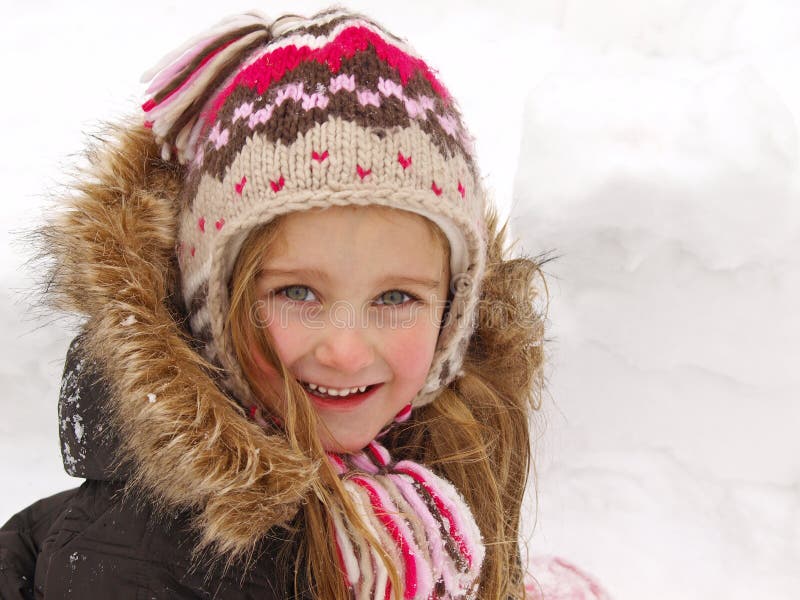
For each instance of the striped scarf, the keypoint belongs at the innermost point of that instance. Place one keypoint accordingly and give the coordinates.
(419, 518)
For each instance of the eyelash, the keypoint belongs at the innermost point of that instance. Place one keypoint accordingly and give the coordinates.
(282, 292)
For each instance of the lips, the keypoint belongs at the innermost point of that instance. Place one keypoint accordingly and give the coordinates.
(342, 393)
(338, 402)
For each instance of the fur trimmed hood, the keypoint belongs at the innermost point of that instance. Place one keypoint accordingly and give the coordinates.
(156, 409)
(145, 402)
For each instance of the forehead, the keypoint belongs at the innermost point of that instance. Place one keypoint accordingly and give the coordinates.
(357, 229)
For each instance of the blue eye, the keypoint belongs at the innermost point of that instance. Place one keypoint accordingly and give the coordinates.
(298, 293)
(395, 298)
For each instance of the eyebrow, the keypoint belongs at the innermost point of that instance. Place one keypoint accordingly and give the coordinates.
(317, 274)
(402, 280)
(309, 273)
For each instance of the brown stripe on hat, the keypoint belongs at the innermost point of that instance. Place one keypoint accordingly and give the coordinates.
(317, 29)
(370, 68)
(311, 74)
(290, 120)
(324, 29)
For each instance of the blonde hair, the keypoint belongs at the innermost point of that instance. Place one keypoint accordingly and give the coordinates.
(477, 429)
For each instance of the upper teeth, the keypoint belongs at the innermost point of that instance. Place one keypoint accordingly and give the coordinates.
(335, 392)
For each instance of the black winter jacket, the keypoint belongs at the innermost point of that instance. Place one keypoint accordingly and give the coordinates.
(95, 542)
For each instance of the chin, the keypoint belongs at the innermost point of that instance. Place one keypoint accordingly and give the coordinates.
(348, 446)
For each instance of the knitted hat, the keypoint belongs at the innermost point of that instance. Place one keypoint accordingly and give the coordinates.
(283, 116)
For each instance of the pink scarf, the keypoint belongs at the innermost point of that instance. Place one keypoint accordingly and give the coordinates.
(421, 520)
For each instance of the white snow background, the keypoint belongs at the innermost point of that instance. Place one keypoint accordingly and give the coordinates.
(652, 146)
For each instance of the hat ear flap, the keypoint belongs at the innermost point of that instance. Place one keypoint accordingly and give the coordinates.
(183, 83)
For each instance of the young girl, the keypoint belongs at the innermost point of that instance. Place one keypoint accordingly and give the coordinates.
(307, 368)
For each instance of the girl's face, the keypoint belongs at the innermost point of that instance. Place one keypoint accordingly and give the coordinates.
(353, 298)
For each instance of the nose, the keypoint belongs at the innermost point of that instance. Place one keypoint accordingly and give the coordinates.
(346, 349)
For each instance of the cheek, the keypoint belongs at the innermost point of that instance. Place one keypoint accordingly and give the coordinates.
(411, 351)
(282, 342)
(290, 330)
(283, 330)
(287, 343)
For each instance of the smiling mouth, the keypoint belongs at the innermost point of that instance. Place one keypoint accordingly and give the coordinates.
(336, 394)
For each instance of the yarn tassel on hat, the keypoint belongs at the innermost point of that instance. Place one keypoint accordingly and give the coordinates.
(183, 83)
(418, 517)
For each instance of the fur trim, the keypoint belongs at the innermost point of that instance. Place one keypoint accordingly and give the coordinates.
(184, 444)
(187, 445)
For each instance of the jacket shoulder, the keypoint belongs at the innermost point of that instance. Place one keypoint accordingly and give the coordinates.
(21, 541)
(101, 544)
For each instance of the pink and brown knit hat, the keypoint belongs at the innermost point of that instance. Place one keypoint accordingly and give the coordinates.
(272, 117)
